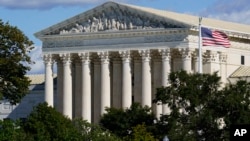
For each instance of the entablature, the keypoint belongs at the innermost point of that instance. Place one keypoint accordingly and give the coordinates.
(115, 38)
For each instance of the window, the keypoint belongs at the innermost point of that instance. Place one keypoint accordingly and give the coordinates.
(242, 60)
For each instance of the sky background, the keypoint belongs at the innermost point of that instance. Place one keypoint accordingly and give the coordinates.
(31, 16)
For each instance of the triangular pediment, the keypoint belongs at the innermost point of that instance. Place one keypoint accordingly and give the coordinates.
(110, 16)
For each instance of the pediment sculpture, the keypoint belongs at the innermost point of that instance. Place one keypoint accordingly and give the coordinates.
(115, 19)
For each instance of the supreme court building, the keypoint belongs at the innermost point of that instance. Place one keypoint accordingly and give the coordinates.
(116, 54)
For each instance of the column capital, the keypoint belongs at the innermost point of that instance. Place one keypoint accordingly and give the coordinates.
(125, 54)
(48, 59)
(212, 56)
(85, 57)
(104, 55)
(145, 54)
(165, 53)
(66, 58)
(223, 57)
(186, 53)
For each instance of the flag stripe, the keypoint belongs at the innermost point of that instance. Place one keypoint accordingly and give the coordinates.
(214, 38)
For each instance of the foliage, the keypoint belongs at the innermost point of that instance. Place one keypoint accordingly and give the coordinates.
(91, 132)
(14, 49)
(120, 122)
(140, 133)
(45, 123)
(197, 103)
(11, 131)
(233, 105)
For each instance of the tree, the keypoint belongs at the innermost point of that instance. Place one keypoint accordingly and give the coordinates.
(190, 98)
(11, 131)
(14, 49)
(92, 132)
(120, 122)
(45, 123)
(198, 103)
(234, 105)
(140, 133)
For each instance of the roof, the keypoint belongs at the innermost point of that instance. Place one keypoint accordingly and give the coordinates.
(242, 71)
(194, 20)
(189, 21)
(37, 78)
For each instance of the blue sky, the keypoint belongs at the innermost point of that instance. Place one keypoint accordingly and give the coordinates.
(34, 15)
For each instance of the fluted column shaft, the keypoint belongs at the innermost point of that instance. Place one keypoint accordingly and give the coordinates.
(86, 87)
(49, 95)
(186, 60)
(67, 86)
(166, 68)
(126, 80)
(146, 78)
(105, 81)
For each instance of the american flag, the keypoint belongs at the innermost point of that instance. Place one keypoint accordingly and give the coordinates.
(214, 38)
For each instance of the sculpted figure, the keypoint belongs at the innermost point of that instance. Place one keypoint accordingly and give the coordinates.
(109, 25)
(130, 25)
(79, 27)
(94, 25)
(113, 24)
(105, 22)
(118, 25)
(63, 31)
(100, 25)
(86, 27)
(125, 25)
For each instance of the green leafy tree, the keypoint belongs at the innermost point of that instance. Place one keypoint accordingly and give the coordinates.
(92, 132)
(120, 122)
(140, 133)
(190, 98)
(233, 105)
(14, 60)
(11, 131)
(45, 123)
(198, 102)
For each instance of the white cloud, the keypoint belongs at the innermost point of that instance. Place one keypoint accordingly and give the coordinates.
(239, 17)
(36, 56)
(229, 10)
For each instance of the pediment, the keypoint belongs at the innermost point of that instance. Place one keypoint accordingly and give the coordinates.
(110, 16)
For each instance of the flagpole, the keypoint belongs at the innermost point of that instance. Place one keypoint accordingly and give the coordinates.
(200, 49)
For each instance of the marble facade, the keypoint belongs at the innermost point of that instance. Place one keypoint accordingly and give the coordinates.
(117, 54)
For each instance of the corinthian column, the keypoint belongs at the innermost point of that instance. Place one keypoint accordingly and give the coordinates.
(126, 79)
(86, 87)
(67, 86)
(48, 79)
(146, 78)
(105, 81)
(166, 69)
